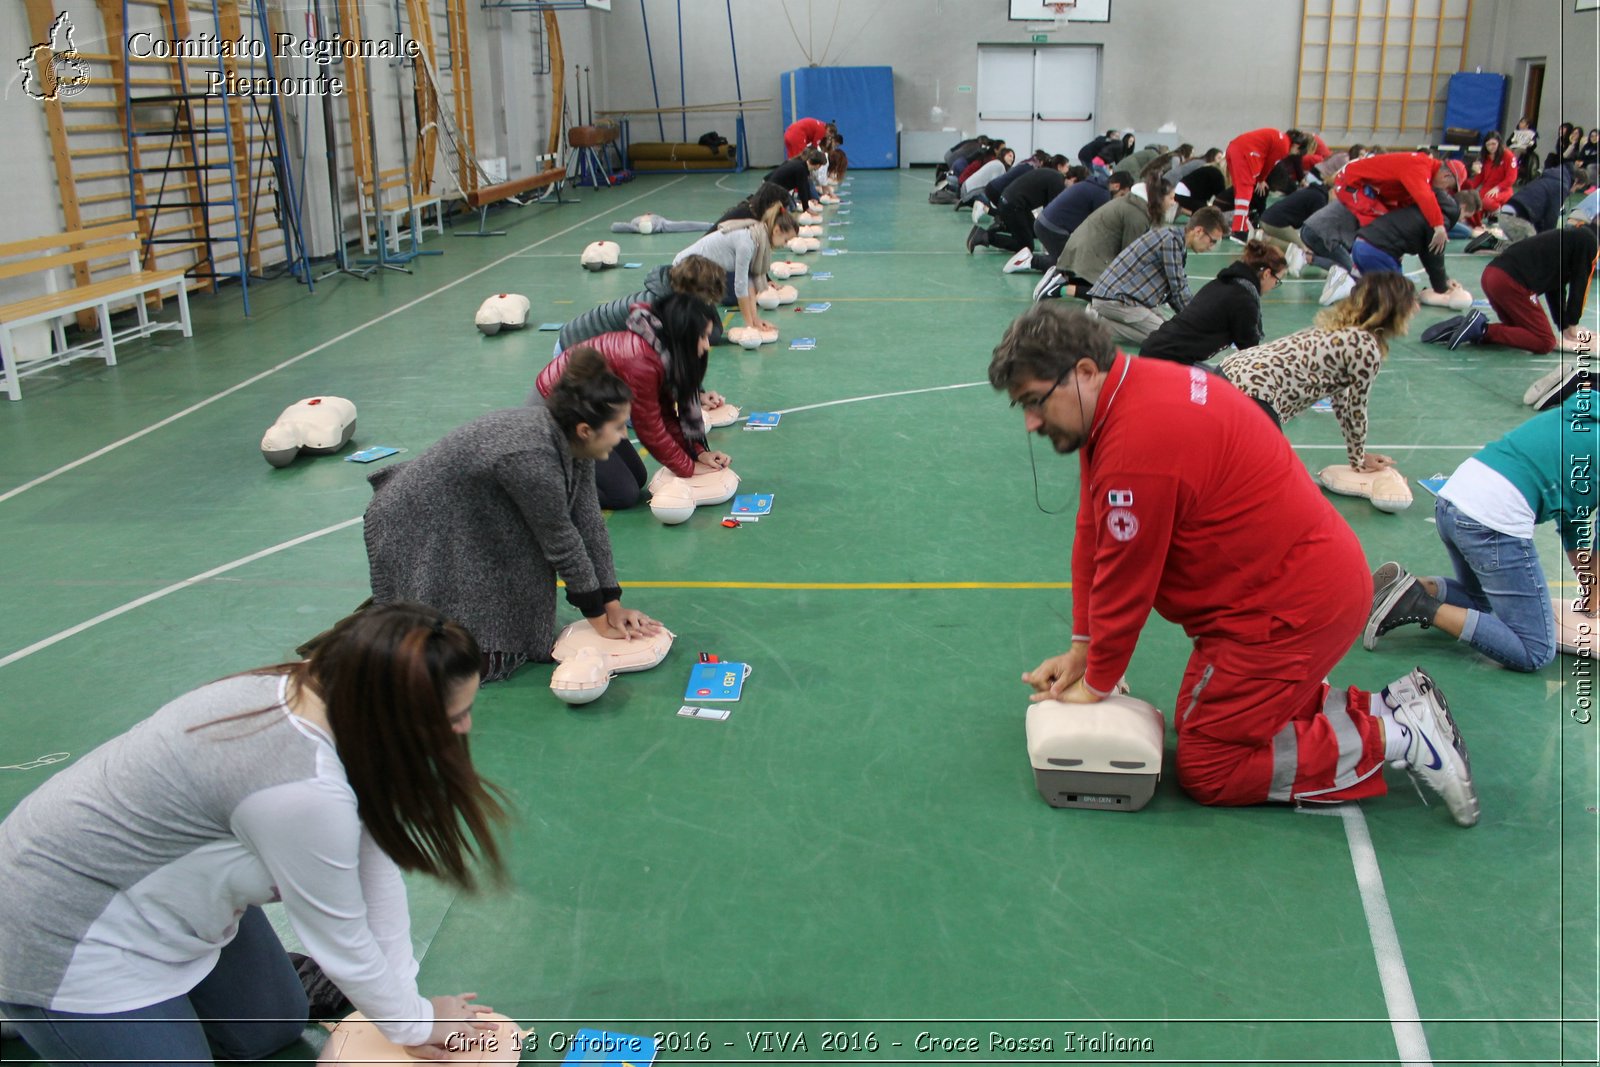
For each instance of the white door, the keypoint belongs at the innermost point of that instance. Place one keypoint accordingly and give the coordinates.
(1065, 81)
(1039, 97)
(1005, 96)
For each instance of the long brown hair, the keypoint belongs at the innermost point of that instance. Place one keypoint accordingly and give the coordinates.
(384, 675)
(1500, 149)
(1382, 304)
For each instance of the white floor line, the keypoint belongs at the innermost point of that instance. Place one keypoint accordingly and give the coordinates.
(1409, 1039)
(73, 631)
(879, 396)
(291, 361)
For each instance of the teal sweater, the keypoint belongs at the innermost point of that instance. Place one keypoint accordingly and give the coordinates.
(1551, 460)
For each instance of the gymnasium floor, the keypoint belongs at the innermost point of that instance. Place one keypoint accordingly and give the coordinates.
(860, 847)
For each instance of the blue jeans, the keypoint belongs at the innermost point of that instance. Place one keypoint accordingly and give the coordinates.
(1500, 583)
(1370, 259)
(251, 1005)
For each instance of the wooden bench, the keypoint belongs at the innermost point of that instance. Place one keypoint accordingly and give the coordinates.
(117, 240)
(482, 197)
(397, 210)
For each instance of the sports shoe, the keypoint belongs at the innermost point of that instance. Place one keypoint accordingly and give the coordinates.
(980, 212)
(1240, 237)
(1023, 260)
(1471, 331)
(1398, 599)
(1436, 756)
(1551, 390)
(1484, 242)
(1441, 332)
(1050, 285)
(1297, 260)
(1337, 287)
(977, 237)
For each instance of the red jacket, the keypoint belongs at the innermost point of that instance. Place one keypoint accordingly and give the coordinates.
(655, 410)
(1195, 505)
(1394, 179)
(1270, 145)
(808, 132)
(1501, 175)
(1319, 152)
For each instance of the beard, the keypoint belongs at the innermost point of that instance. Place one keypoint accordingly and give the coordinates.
(1064, 442)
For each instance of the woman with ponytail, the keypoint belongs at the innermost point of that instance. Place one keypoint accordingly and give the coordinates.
(743, 248)
(661, 355)
(482, 524)
(131, 883)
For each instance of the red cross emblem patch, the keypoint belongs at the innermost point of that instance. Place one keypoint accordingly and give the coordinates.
(1122, 524)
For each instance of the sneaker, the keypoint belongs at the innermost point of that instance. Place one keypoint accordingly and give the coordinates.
(1239, 237)
(1471, 331)
(1485, 241)
(1441, 332)
(1050, 285)
(1398, 599)
(1552, 390)
(977, 237)
(1023, 260)
(1436, 757)
(1297, 260)
(1338, 286)
(980, 214)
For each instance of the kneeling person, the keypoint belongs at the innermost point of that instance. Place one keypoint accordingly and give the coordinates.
(1151, 272)
(1227, 537)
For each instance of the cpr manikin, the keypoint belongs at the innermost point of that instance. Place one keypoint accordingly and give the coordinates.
(587, 661)
(503, 311)
(1104, 755)
(320, 425)
(673, 499)
(356, 1041)
(600, 254)
(1386, 488)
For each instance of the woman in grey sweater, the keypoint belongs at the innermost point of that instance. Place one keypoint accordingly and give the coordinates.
(480, 525)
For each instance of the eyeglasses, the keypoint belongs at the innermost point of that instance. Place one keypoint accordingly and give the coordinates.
(1037, 405)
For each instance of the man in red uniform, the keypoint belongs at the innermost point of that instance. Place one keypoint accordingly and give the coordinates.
(1251, 157)
(1376, 185)
(1192, 503)
(803, 134)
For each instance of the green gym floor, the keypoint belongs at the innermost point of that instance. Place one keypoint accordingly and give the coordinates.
(859, 849)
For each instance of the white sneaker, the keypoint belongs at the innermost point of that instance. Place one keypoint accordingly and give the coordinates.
(1050, 285)
(1297, 259)
(1436, 756)
(1023, 260)
(979, 210)
(1338, 286)
(1543, 385)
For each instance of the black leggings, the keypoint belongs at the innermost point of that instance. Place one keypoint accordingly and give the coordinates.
(1014, 228)
(620, 478)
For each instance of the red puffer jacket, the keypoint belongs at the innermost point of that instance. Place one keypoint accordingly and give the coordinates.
(655, 410)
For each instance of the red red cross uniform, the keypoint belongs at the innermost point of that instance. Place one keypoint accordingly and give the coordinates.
(1194, 505)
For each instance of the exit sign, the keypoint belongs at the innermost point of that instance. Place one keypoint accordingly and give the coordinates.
(1040, 38)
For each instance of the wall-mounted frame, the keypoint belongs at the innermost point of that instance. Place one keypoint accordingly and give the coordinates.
(1586, 5)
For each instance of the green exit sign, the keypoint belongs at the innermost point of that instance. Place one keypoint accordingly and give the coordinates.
(1040, 38)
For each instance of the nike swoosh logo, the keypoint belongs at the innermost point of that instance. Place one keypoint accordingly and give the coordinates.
(1437, 762)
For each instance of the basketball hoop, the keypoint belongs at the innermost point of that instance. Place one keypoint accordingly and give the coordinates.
(1062, 10)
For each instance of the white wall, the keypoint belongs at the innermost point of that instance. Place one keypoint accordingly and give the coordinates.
(1164, 60)
(1507, 31)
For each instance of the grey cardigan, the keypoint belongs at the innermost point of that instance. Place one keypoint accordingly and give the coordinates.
(480, 525)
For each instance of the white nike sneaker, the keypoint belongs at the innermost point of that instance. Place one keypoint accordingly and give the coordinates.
(1023, 260)
(1297, 260)
(1338, 286)
(979, 210)
(1436, 757)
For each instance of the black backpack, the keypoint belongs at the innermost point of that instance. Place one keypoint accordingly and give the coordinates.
(712, 140)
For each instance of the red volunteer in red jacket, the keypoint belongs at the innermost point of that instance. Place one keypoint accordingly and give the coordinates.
(802, 134)
(1376, 185)
(655, 411)
(1193, 504)
(1251, 157)
(1496, 179)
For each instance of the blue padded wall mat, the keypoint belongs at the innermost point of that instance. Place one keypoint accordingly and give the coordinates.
(1475, 102)
(859, 99)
